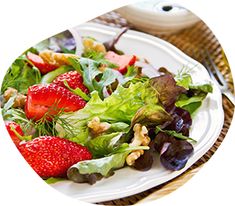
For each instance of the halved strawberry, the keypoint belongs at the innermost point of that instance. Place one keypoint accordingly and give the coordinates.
(38, 62)
(123, 61)
(14, 131)
(51, 156)
(74, 80)
(50, 99)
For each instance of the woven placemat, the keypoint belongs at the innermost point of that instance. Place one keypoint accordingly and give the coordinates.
(190, 41)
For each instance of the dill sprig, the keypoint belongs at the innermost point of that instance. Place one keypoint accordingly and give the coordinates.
(44, 126)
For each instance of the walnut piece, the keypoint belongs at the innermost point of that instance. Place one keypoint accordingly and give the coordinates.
(92, 45)
(140, 138)
(98, 127)
(57, 59)
(132, 157)
(20, 99)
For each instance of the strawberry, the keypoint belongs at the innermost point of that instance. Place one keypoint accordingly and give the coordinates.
(123, 61)
(50, 99)
(52, 156)
(74, 80)
(14, 131)
(38, 62)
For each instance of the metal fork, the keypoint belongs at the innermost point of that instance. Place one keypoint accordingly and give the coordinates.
(217, 77)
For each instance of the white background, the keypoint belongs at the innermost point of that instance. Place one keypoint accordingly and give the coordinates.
(24, 23)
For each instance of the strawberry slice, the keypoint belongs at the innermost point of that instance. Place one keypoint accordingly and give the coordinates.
(38, 62)
(123, 61)
(74, 80)
(51, 156)
(49, 100)
(14, 131)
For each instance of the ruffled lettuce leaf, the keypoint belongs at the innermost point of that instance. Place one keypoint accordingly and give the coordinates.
(119, 108)
(92, 170)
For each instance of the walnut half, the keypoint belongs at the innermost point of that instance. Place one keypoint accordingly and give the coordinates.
(54, 58)
(19, 100)
(140, 138)
(92, 45)
(98, 127)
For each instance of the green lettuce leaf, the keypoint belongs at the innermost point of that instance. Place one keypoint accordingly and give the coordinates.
(184, 100)
(104, 144)
(198, 92)
(206, 88)
(102, 166)
(92, 170)
(50, 76)
(174, 134)
(183, 79)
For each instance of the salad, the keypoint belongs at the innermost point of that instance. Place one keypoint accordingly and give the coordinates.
(81, 117)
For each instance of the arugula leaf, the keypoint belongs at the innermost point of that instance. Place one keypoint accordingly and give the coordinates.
(98, 74)
(90, 71)
(95, 79)
(109, 76)
(77, 91)
(75, 64)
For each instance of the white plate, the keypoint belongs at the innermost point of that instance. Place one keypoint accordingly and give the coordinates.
(205, 129)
